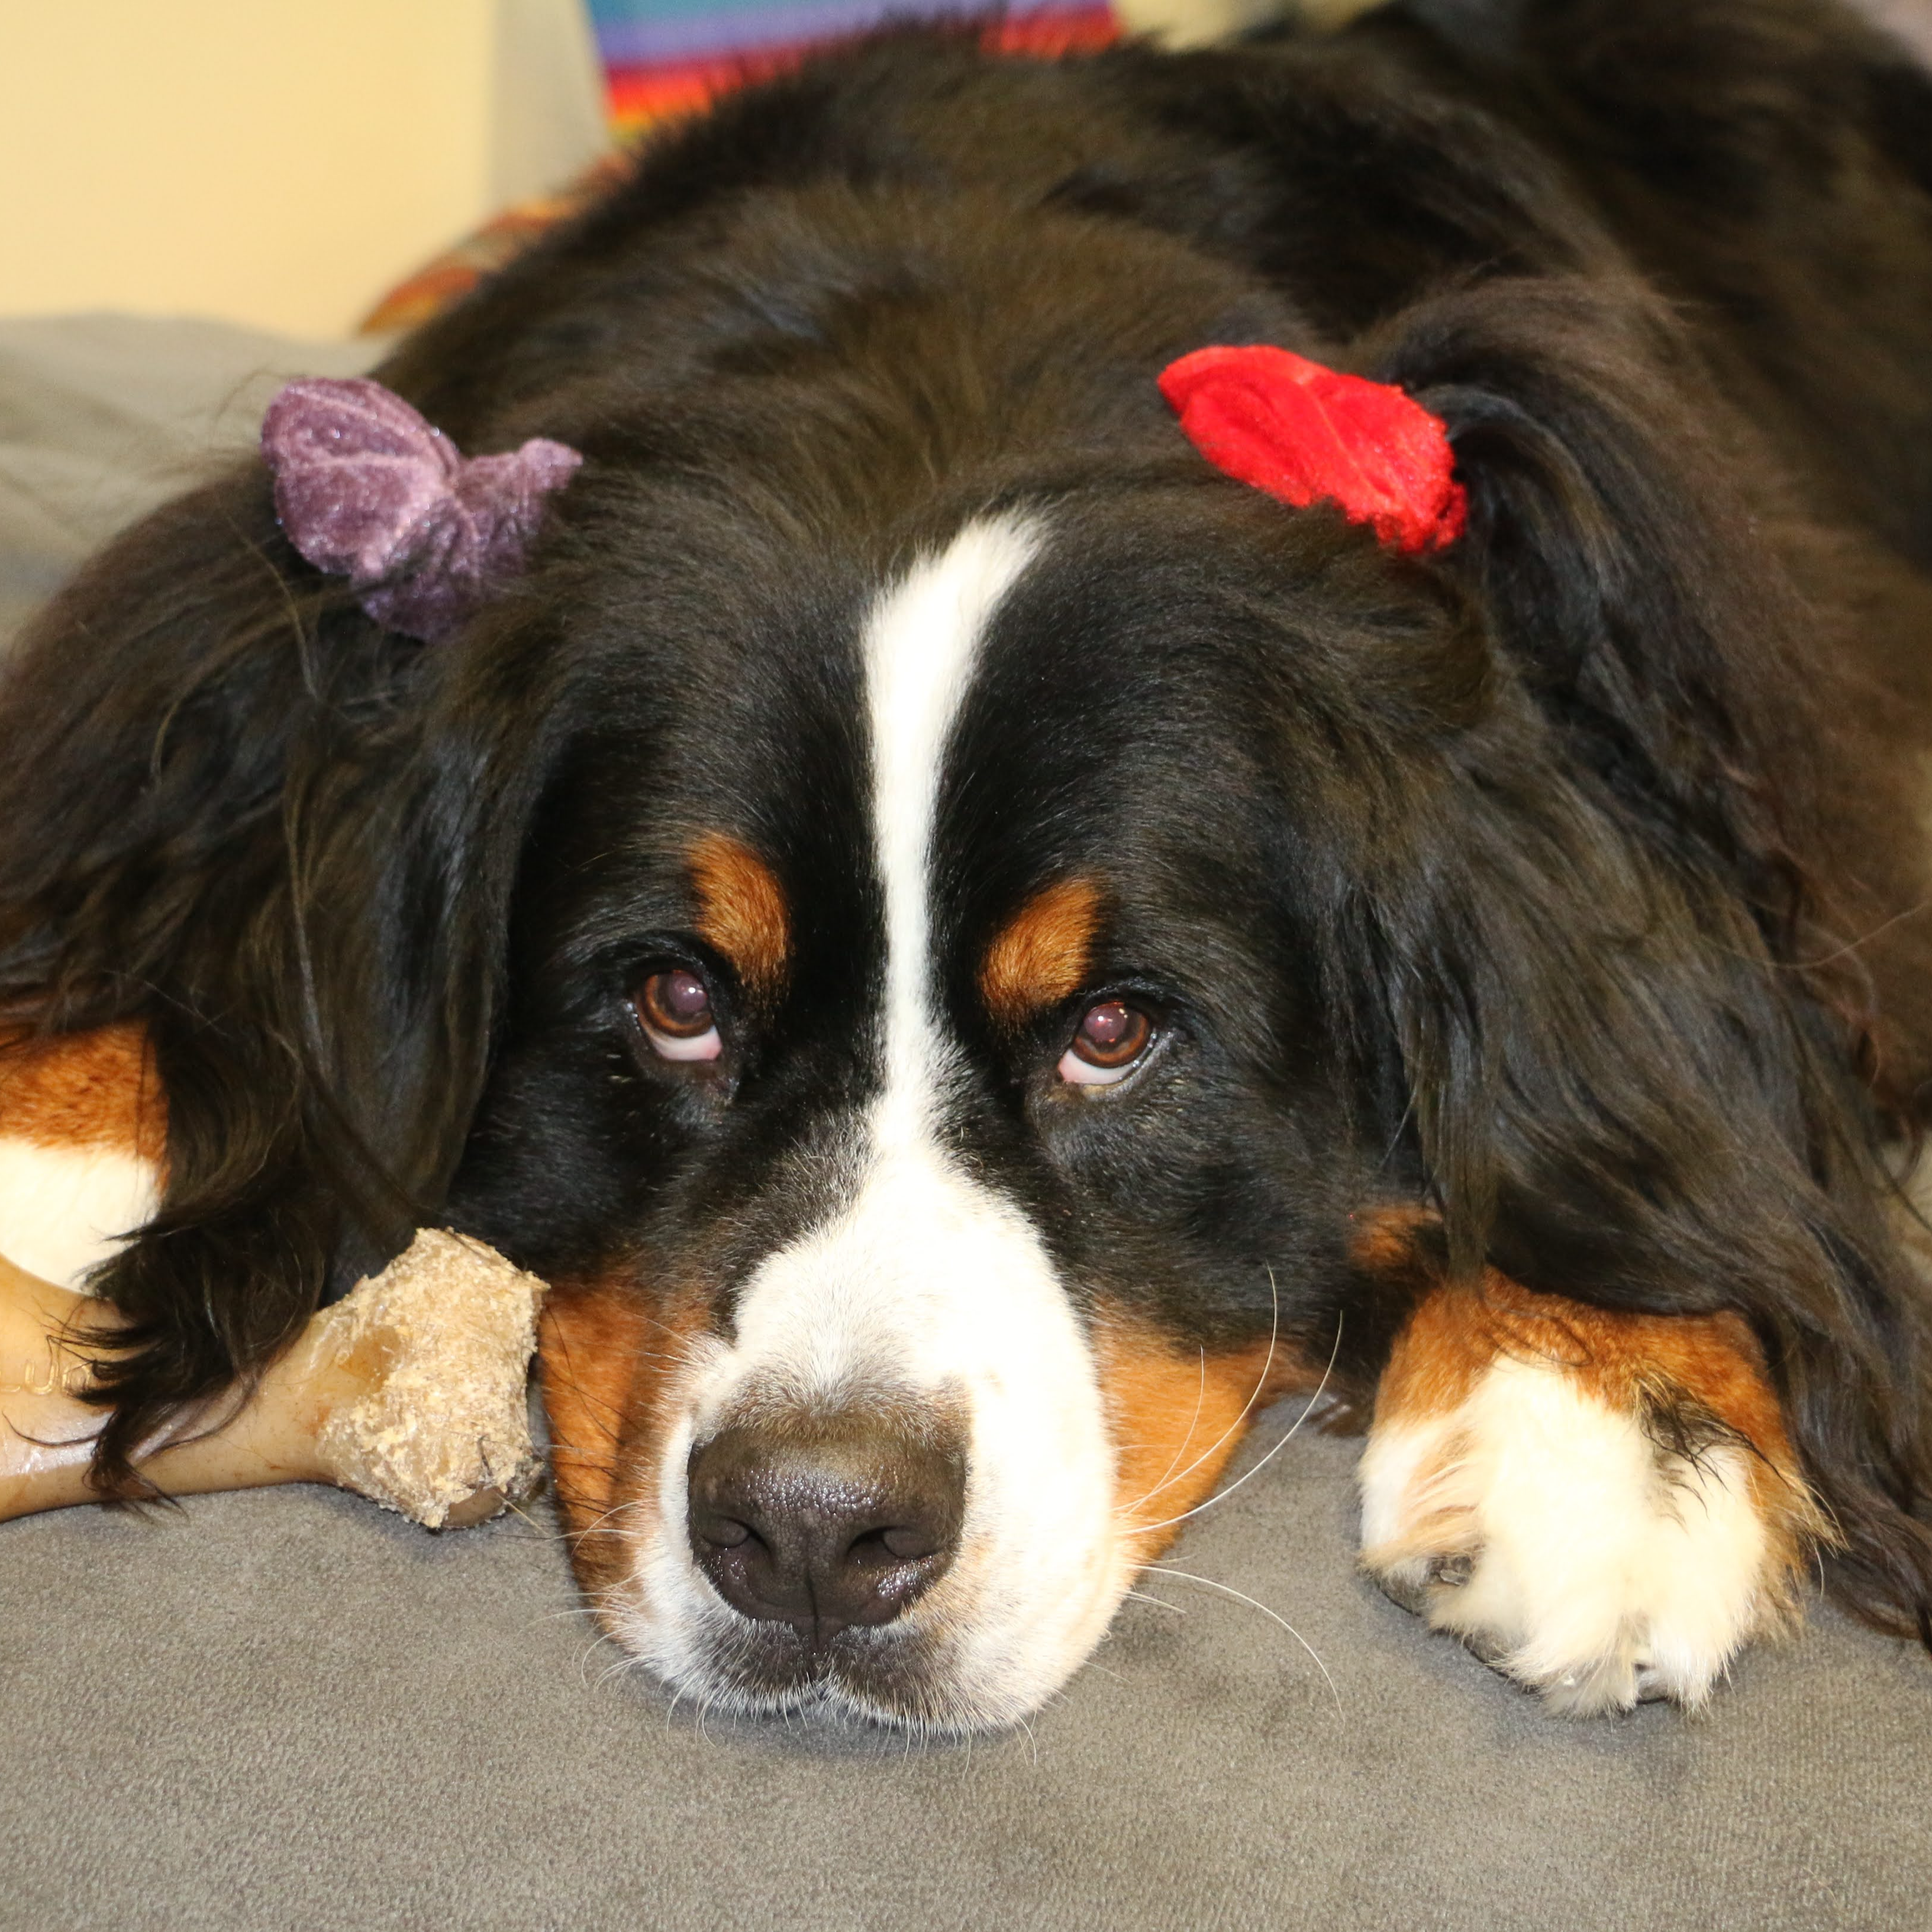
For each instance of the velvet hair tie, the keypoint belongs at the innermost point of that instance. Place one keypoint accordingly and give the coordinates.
(366, 489)
(1307, 434)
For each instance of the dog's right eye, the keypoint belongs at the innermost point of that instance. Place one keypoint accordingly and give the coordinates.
(1112, 1039)
(674, 1009)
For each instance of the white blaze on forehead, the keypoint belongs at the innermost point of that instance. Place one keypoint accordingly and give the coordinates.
(927, 1280)
(921, 646)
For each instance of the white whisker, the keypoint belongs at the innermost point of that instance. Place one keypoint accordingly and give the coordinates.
(1307, 1410)
(1261, 1383)
(1241, 1596)
(1180, 1448)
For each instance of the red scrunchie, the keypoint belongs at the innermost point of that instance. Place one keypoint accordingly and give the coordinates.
(1307, 434)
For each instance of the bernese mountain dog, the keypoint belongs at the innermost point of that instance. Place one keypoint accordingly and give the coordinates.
(975, 949)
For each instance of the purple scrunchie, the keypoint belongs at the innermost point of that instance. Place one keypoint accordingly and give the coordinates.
(367, 490)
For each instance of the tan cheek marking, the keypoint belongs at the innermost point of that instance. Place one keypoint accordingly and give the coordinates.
(95, 1089)
(742, 912)
(1176, 1417)
(1040, 956)
(608, 1361)
(1383, 1241)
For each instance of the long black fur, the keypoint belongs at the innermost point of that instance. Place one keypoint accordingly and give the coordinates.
(1592, 852)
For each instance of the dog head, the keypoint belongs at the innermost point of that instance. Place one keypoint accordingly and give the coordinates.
(921, 1073)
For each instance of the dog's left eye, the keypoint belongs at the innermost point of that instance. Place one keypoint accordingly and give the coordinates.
(674, 1009)
(1111, 1038)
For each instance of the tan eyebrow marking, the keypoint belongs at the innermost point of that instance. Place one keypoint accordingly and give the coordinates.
(1041, 954)
(741, 911)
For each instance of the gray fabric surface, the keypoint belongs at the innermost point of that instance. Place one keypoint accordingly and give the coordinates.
(286, 1709)
(103, 416)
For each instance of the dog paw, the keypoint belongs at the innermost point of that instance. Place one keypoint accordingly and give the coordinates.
(1603, 1538)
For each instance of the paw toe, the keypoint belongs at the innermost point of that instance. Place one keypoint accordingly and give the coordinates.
(1416, 1585)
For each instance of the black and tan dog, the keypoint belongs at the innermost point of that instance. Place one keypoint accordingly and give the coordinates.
(975, 949)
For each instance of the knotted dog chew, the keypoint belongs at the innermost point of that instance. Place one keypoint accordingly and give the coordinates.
(439, 1344)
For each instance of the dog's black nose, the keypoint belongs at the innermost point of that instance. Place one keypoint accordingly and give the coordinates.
(826, 1523)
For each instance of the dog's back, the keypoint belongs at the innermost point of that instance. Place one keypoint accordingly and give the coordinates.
(1768, 167)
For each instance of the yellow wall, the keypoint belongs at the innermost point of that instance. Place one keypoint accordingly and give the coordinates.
(278, 162)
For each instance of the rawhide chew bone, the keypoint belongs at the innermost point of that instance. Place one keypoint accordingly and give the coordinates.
(411, 1390)
(441, 1342)
(367, 489)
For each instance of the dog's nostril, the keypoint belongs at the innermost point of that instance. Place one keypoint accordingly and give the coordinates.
(826, 1523)
(907, 1544)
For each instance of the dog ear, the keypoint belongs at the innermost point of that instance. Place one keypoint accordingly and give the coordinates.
(1590, 927)
(1615, 1093)
(1617, 542)
(242, 812)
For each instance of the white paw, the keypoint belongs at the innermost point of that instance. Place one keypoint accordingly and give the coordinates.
(1557, 1537)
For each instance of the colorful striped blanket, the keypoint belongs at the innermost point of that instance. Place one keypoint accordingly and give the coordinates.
(663, 57)
(666, 57)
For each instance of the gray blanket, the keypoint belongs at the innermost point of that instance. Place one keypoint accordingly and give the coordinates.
(103, 416)
(286, 1709)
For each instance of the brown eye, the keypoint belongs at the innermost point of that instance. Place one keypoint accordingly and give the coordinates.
(1112, 1035)
(674, 1009)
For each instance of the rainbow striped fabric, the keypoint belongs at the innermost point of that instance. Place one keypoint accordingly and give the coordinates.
(662, 57)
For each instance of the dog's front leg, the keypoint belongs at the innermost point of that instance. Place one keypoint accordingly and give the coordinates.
(411, 1390)
(1606, 1506)
(48, 1338)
